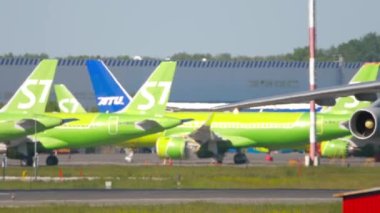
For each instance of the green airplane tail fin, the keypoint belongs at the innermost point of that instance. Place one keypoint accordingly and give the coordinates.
(368, 72)
(34, 93)
(153, 96)
(67, 102)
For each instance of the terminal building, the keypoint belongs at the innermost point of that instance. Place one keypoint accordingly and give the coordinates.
(195, 81)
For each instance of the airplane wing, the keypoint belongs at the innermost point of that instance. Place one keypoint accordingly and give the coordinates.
(323, 97)
(207, 137)
(204, 133)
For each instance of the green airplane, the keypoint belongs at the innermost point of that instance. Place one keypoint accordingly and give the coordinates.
(24, 113)
(143, 116)
(212, 134)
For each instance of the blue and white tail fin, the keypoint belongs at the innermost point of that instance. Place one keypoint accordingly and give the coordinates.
(110, 95)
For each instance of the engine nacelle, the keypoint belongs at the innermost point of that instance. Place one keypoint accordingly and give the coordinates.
(364, 124)
(335, 149)
(173, 147)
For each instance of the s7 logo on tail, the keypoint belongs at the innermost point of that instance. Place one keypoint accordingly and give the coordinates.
(25, 90)
(165, 85)
(63, 105)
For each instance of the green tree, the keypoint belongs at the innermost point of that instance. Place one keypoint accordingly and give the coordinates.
(224, 57)
(366, 48)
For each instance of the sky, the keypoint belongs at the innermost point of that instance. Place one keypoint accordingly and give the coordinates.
(161, 28)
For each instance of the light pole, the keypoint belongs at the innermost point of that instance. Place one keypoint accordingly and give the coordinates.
(312, 159)
(35, 158)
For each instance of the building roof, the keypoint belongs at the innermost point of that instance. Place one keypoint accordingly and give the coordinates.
(190, 63)
(358, 192)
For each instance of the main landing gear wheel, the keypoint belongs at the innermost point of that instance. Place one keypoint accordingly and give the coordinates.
(129, 155)
(51, 160)
(240, 158)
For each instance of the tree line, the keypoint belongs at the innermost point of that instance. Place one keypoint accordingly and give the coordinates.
(366, 48)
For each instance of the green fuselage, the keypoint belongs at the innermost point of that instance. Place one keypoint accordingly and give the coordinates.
(93, 129)
(263, 129)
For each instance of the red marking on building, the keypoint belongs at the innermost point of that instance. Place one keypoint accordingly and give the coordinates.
(367, 200)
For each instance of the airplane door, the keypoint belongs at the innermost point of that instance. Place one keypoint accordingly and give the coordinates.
(113, 125)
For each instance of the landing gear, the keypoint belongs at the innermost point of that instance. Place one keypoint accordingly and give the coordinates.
(51, 160)
(129, 155)
(4, 161)
(27, 161)
(167, 162)
(240, 158)
(4, 164)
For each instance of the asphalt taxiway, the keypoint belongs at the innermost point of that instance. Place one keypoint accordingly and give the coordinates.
(152, 159)
(112, 197)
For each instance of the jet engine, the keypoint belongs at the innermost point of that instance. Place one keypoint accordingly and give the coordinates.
(175, 147)
(364, 124)
(335, 149)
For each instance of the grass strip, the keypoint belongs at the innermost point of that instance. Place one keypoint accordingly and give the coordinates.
(199, 177)
(181, 207)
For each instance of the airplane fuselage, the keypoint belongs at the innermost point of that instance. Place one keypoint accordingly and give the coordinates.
(92, 129)
(262, 129)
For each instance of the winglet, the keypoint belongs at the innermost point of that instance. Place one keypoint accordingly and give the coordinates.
(34, 93)
(209, 120)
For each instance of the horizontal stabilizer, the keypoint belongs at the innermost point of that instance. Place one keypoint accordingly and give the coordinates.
(42, 123)
(68, 120)
(186, 120)
(28, 123)
(147, 125)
